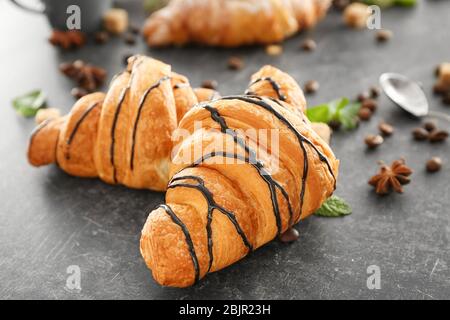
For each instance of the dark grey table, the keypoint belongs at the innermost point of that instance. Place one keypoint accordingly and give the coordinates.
(49, 220)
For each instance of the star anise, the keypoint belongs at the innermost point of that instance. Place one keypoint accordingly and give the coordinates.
(66, 40)
(87, 76)
(391, 177)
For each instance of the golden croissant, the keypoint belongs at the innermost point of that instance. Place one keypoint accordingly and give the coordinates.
(123, 137)
(231, 23)
(226, 201)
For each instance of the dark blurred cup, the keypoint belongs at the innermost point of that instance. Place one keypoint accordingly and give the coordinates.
(64, 14)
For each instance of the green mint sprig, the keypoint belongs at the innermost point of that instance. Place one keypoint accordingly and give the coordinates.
(334, 207)
(390, 3)
(28, 105)
(340, 110)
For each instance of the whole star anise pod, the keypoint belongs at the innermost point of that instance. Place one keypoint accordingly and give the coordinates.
(391, 177)
(87, 76)
(66, 40)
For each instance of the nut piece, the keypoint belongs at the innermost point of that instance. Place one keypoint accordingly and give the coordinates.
(115, 21)
(444, 74)
(323, 130)
(356, 15)
(373, 141)
(46, 114)
(434, 164)
(274, 50)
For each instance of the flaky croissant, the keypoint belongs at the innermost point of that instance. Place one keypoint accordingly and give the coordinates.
(227, 200)
(231, 23)
(123, 137)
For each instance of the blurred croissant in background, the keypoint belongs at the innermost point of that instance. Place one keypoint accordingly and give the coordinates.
(231, 23)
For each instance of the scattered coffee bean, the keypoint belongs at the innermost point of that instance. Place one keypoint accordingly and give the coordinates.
(334, 124)
(386, 129)
(363, 96)
(290, 235)
(383, 35)
(364, 114)
(311, 86)
(341, 4)
(274, 50)
(134, 29)
(429, 126)
(375, 92)
(130, 39)
(439, 88)
(438, 136)
(235, 63)
(309, 45)
(446, 99)
(101, 37)
(420, 134)
(210, 84)
(373, 141)
(369, 104)
(78, 92)
(434, 164)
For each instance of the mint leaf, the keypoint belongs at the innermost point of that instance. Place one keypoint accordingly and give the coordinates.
(29, 104)
(340, 110)
(153, 5)
(319, 113)
(348, 116)
(334, 207)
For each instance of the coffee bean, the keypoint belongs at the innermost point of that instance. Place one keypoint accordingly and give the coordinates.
(78, 92)
(312, 86)
(235, 63)
(341, 4)
(130, 39)
(210, 84)
(446, 99)
(334, 124)
(429, 126)
(434, 164)
(101, 37)
(364, 114)
(438, 136)
(375, 92)
(134, 29)
(369, 104)
(386, 129)
(420, 134)
(373, 141)
(383, 35)
(363, 96)
(439, 88)
(309, 45)
(290, 235)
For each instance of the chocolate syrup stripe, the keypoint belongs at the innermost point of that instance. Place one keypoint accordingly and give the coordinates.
(260, 102)
(78, 124)
(113, 130)
(252, 159)
(211, 206)
(141, 105)
(187, 235)
(276, 87)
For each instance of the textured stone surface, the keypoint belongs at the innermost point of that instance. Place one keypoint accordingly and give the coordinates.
(49, 220)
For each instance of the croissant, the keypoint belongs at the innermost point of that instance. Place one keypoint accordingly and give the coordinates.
(123, 136)
(231, 23)
(232, 192)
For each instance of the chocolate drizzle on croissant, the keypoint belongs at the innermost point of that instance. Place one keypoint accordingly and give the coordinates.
(221, 184)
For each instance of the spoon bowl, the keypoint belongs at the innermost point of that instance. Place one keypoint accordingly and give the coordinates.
(406, 93)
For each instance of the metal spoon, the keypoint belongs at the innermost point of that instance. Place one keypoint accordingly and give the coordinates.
(408, 95)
